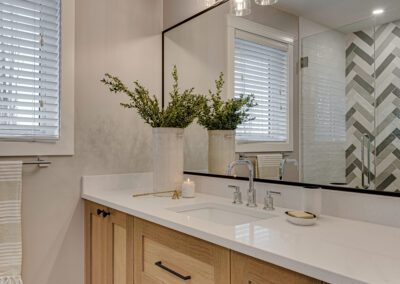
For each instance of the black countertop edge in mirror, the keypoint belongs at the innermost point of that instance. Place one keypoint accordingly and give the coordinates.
(299, 184)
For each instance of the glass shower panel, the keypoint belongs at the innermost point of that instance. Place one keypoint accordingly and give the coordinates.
(337, 101)
(350, 105)
(323, 111)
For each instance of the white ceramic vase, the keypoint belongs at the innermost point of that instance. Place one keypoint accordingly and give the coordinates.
(221, 150)
(167, 159)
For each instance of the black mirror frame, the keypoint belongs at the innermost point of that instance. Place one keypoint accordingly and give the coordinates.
(289, 183)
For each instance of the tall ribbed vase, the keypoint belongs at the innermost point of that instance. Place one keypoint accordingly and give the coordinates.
(221, 150)
(167, 159)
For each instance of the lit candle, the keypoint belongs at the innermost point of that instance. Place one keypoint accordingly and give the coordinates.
(188, 188)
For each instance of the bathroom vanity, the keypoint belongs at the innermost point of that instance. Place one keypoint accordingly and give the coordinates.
(121, 248)
(207, 238)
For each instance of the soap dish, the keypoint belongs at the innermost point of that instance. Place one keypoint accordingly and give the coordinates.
(301, 221)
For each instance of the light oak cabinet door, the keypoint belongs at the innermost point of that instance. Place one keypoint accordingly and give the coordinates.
(248, 270)
(168, 257)
(108, 245)
(95, 244)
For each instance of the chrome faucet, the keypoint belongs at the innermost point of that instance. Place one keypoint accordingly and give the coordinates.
(237, 195)
(269, 200)
(251, 194)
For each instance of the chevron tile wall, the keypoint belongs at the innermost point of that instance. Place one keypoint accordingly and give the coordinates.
(373, 105)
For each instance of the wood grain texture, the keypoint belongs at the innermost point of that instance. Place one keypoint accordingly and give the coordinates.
(95, 245)
(119, 255)
(120, 248)
(248, 270)
(203, 261)
(108, 246)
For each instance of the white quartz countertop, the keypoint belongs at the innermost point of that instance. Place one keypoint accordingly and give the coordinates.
(333, 250)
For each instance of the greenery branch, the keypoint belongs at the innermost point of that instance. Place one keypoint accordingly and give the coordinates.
(217, 114)
(181, 111)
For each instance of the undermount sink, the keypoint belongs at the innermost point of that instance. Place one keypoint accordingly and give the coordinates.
(222, 214)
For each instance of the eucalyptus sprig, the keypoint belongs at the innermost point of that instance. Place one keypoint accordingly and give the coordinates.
(217, 114)
(182, 109)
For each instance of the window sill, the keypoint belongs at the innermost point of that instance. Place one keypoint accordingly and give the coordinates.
(17, 149)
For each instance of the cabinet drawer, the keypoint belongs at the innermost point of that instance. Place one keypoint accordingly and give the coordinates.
(166, 256)
(248, 270)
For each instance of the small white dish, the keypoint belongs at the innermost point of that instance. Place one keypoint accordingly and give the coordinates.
(301, 221)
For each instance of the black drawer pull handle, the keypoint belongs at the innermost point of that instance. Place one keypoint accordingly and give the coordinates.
(102, 213)
(159, 264)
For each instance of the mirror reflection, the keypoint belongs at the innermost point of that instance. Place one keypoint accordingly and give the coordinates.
(326, 82)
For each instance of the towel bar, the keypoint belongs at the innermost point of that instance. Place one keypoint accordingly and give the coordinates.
(39, 163)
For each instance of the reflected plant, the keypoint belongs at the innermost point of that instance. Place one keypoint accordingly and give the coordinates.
(217, 114)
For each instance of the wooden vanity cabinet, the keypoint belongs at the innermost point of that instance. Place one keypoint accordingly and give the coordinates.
(121, 249)
(108, 245)
(166, 256)
(248, 270)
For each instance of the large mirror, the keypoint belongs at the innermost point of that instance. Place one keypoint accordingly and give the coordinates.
(326, 79)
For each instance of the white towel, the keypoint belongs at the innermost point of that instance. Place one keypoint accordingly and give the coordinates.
(10, 222)
(268, 166)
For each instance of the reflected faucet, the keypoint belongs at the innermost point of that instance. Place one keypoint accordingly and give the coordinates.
(251, 194)
(282, 166)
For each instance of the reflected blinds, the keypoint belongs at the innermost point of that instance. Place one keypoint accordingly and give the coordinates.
(29, 69)
(262, 68)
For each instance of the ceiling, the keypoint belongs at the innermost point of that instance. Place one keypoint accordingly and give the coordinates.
(339, 13)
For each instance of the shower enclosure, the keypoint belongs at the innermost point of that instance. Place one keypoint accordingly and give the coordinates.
(350, 105)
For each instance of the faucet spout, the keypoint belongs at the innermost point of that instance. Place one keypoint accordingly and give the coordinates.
(251, 194)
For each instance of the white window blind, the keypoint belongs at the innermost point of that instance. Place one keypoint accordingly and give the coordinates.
(29, 69)
(261, 68)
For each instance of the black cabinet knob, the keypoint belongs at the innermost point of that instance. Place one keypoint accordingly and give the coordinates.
(102, 213)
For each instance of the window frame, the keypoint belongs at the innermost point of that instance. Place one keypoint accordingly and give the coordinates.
(237, 23)
(64, 146)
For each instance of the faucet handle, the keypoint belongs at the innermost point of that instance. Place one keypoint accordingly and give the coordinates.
(269, 200)
(237, 195)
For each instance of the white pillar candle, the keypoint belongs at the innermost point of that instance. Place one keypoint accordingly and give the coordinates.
(188, 188)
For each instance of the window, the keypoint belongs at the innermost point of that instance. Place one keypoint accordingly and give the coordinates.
(29, 70)
(261, 64)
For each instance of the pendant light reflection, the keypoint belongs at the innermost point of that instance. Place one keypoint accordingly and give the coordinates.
(241, 7)
(266, 2)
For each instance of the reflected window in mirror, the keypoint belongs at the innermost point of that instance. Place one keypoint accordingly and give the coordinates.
(261, 65)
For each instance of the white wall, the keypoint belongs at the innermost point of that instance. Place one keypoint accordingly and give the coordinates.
(121, 37)
(175, 11)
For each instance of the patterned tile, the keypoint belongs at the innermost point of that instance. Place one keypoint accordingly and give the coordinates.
(381, 98)
(386, 183)
(365, 37)
(351, 149)
(365, 108)
(385, 64)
